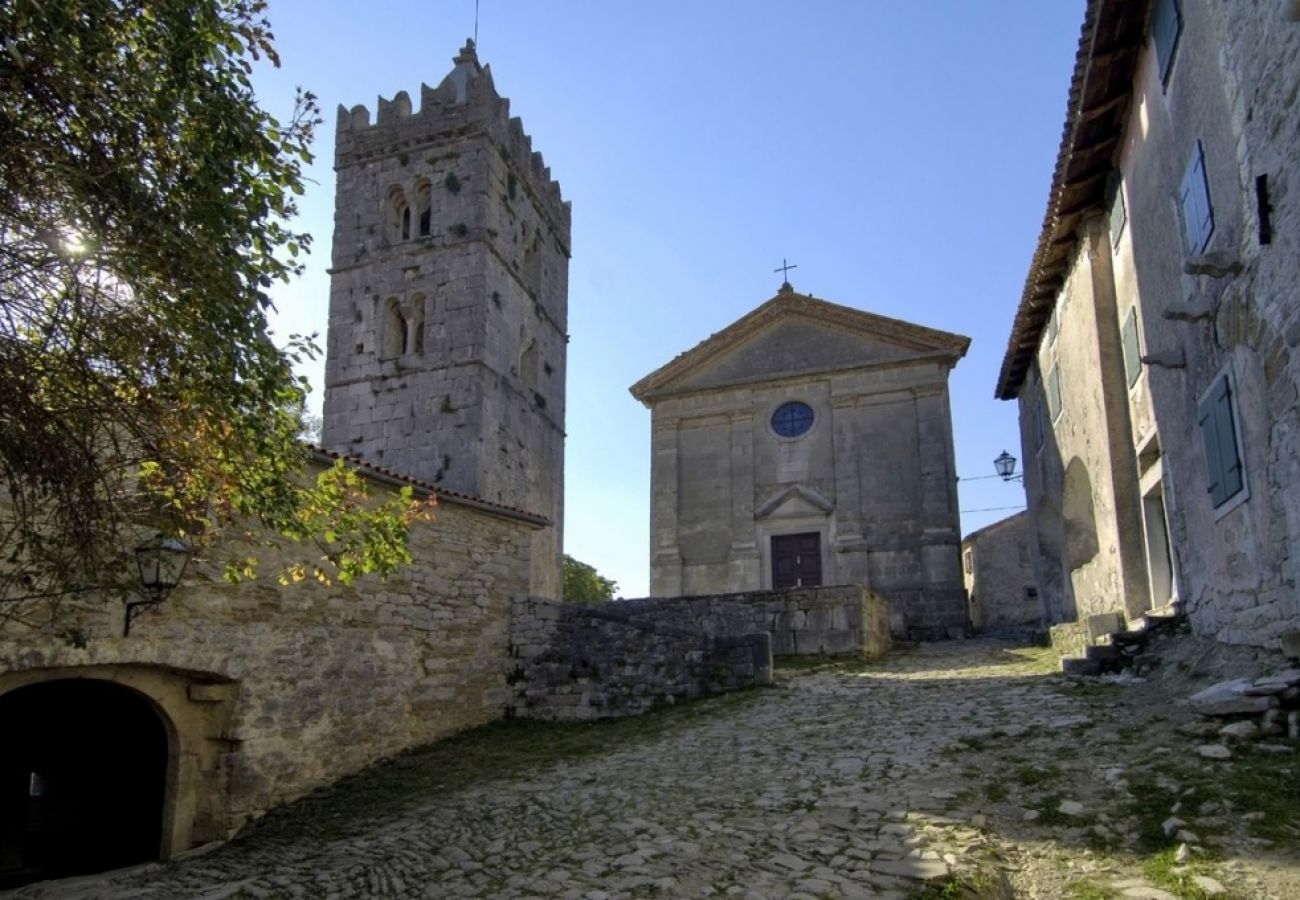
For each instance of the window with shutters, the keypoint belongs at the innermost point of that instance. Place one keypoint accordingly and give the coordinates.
(1225, 469)
(1194, 197)
(1118, 214)
(1132, 353)
(1054, 392)
(1166, 27)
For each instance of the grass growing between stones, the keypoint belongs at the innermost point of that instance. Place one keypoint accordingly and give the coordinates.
(494, 752)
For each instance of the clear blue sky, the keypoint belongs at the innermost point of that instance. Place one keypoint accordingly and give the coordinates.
(899, 153)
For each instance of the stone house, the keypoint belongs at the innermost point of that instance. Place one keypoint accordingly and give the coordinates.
(998, 571)
(809, 443)
(1151, 353)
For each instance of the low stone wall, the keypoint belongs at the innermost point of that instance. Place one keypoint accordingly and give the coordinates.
(581, 661)
(841, 620)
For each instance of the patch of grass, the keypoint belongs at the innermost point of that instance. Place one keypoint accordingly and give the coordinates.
(1088, 890)
(996, 792)
(1261, 782)
(980, 884)
(1175, 877)
(1034, 775)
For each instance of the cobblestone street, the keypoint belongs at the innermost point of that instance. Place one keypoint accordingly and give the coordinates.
(963, 761)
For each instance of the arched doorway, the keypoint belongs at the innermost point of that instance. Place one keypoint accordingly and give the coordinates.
(83, 773)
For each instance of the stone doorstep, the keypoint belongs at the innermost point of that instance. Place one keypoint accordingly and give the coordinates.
(1120, 648)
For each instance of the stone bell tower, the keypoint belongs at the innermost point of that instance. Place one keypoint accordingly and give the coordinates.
(448, 318)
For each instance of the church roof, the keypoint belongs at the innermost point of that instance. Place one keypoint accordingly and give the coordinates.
(789, 305)
(1095, 115)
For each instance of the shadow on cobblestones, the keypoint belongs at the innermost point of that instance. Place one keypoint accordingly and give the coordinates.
(497, 752)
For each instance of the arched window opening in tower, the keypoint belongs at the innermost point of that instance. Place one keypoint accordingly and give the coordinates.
(424, 203)
(399, 215)
(395, 331)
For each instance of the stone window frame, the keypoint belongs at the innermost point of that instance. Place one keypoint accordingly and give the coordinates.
(782, 404)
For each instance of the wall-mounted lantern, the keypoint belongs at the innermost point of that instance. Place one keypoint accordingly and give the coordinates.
(161, 561)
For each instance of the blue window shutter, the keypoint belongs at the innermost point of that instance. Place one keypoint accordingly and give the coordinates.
(1167, 25)
(1194, 197)
(1210, 439)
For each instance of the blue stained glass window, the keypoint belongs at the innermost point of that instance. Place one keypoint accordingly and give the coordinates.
(792, 419)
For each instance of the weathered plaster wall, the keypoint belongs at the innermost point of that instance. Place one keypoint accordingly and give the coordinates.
(1080, 480)
(574, 662)
(276, 690)
(997, 565)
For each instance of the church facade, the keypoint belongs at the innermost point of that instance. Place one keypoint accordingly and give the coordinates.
(809, 444)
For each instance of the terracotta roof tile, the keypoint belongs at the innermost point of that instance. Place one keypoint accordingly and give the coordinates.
(441, 493)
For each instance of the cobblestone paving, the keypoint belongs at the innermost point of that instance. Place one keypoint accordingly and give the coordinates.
(832, 784)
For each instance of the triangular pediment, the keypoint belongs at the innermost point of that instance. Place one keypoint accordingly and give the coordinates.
(794, 502)
(793, 334)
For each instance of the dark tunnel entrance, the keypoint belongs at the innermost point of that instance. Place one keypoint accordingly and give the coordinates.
(83, 771)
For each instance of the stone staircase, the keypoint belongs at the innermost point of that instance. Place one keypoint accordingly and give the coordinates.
(1113, 647)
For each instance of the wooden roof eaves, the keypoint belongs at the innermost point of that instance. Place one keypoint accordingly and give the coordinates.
(1109, 43)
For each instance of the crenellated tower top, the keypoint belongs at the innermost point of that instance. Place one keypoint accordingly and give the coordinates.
(465, 100)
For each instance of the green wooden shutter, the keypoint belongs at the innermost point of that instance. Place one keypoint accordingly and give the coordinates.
(1132, 354)
(1226, 430)
(1219, 435)
(1118, 213)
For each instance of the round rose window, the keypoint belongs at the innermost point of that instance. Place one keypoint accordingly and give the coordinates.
(792, 419)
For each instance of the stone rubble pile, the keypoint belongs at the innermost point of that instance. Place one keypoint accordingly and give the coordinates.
(1257, 710)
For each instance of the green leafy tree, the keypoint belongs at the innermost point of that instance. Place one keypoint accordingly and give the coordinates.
(145, 209)
(583, 584)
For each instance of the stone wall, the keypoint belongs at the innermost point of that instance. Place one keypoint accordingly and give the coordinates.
(998, 564)
(832, 621)
(1228, 98)
(595, 661)
(271, 691)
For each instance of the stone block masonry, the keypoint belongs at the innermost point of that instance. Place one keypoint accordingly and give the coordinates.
(580, 661)
(272, 691)
(818, 621)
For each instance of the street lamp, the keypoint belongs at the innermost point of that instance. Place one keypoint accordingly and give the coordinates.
(1005, 465)
(161, 561)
